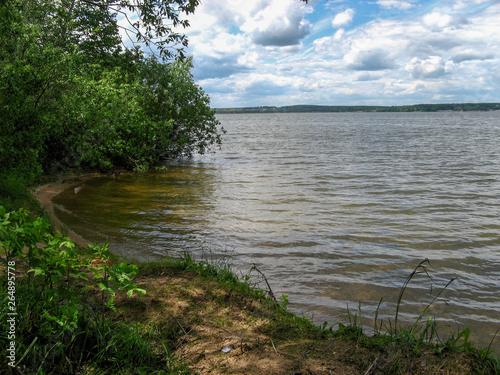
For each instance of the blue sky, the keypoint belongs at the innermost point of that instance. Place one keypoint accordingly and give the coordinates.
(336, 52)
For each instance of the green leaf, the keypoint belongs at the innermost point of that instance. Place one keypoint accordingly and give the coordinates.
(139, 291)
(38, 271)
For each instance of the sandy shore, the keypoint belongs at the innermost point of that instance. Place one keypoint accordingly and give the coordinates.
(45, 193)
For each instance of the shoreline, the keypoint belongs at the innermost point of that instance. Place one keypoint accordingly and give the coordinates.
(45, 193)
(217, 316)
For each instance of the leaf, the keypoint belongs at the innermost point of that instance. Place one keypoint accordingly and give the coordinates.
(37, 271)
(139, 291)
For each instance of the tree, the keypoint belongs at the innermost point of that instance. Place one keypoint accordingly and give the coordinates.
(72, 95)
(135, 119)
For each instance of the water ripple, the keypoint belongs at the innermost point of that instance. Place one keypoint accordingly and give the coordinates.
(336, 210)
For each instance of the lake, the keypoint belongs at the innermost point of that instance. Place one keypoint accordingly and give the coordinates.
(336, 209)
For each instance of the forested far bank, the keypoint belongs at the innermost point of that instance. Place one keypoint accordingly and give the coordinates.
(72, 96)
(365, 108)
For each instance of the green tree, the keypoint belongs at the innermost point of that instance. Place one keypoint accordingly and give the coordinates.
(136, 118)
(72, 96)
(173, 94)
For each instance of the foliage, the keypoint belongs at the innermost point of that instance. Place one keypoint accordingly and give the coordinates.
(72, 96)
(14, 194)
(119, 275)
(54, 320)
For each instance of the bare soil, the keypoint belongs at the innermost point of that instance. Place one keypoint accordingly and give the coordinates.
(203, 319)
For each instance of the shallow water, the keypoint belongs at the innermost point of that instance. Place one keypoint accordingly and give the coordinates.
(335, 209)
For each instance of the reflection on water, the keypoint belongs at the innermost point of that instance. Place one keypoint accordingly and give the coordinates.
(335, 209)
(142, 216)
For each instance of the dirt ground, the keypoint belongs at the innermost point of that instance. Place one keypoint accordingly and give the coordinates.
(219, 330)
(222, 332)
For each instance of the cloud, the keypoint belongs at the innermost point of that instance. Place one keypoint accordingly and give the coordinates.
(264, 87)
(331, 4)
(344, 18)
(395, 4)
(264, 22)
(250, 90)
(279, 23)
(366, 76)
(470, 54)
(432, 67)
(332, 45)
(372, 59)
(218, 67)
(462, 4)
(276, 52)
(437, 19)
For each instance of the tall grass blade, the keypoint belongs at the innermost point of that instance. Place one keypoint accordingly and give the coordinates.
(376, 330)
(420, 266)
(27, 351)
(424, 312)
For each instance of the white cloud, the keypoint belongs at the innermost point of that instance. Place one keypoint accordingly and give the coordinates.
(437, 19)
(230, 37)
(462, 4)
(260, 53)
(471, 54)
(331, 46)
(395, 4)
(368, 59)
(332, 4)
(271, 23)
(344, 18)
(433, 67)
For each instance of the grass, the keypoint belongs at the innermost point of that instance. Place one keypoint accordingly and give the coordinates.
(287, 337)
(15, 194)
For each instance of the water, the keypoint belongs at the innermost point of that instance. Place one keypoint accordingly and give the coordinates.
(335, 209)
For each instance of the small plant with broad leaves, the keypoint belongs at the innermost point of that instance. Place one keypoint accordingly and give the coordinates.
(119, 276)
(48, 303)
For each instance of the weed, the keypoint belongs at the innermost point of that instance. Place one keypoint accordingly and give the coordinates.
(118, 276)
(55, 331)
(419, 337)
(284, 301)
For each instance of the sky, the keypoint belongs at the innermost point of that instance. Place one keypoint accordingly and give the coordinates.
(336, 52)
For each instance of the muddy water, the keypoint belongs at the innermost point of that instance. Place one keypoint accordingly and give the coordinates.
(335, 209)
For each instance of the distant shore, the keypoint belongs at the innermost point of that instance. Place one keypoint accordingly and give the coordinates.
(363, 108)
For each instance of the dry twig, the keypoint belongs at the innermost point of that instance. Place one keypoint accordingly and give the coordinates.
(271, 294)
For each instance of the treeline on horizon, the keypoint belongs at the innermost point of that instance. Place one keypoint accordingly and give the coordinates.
(364, 108)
